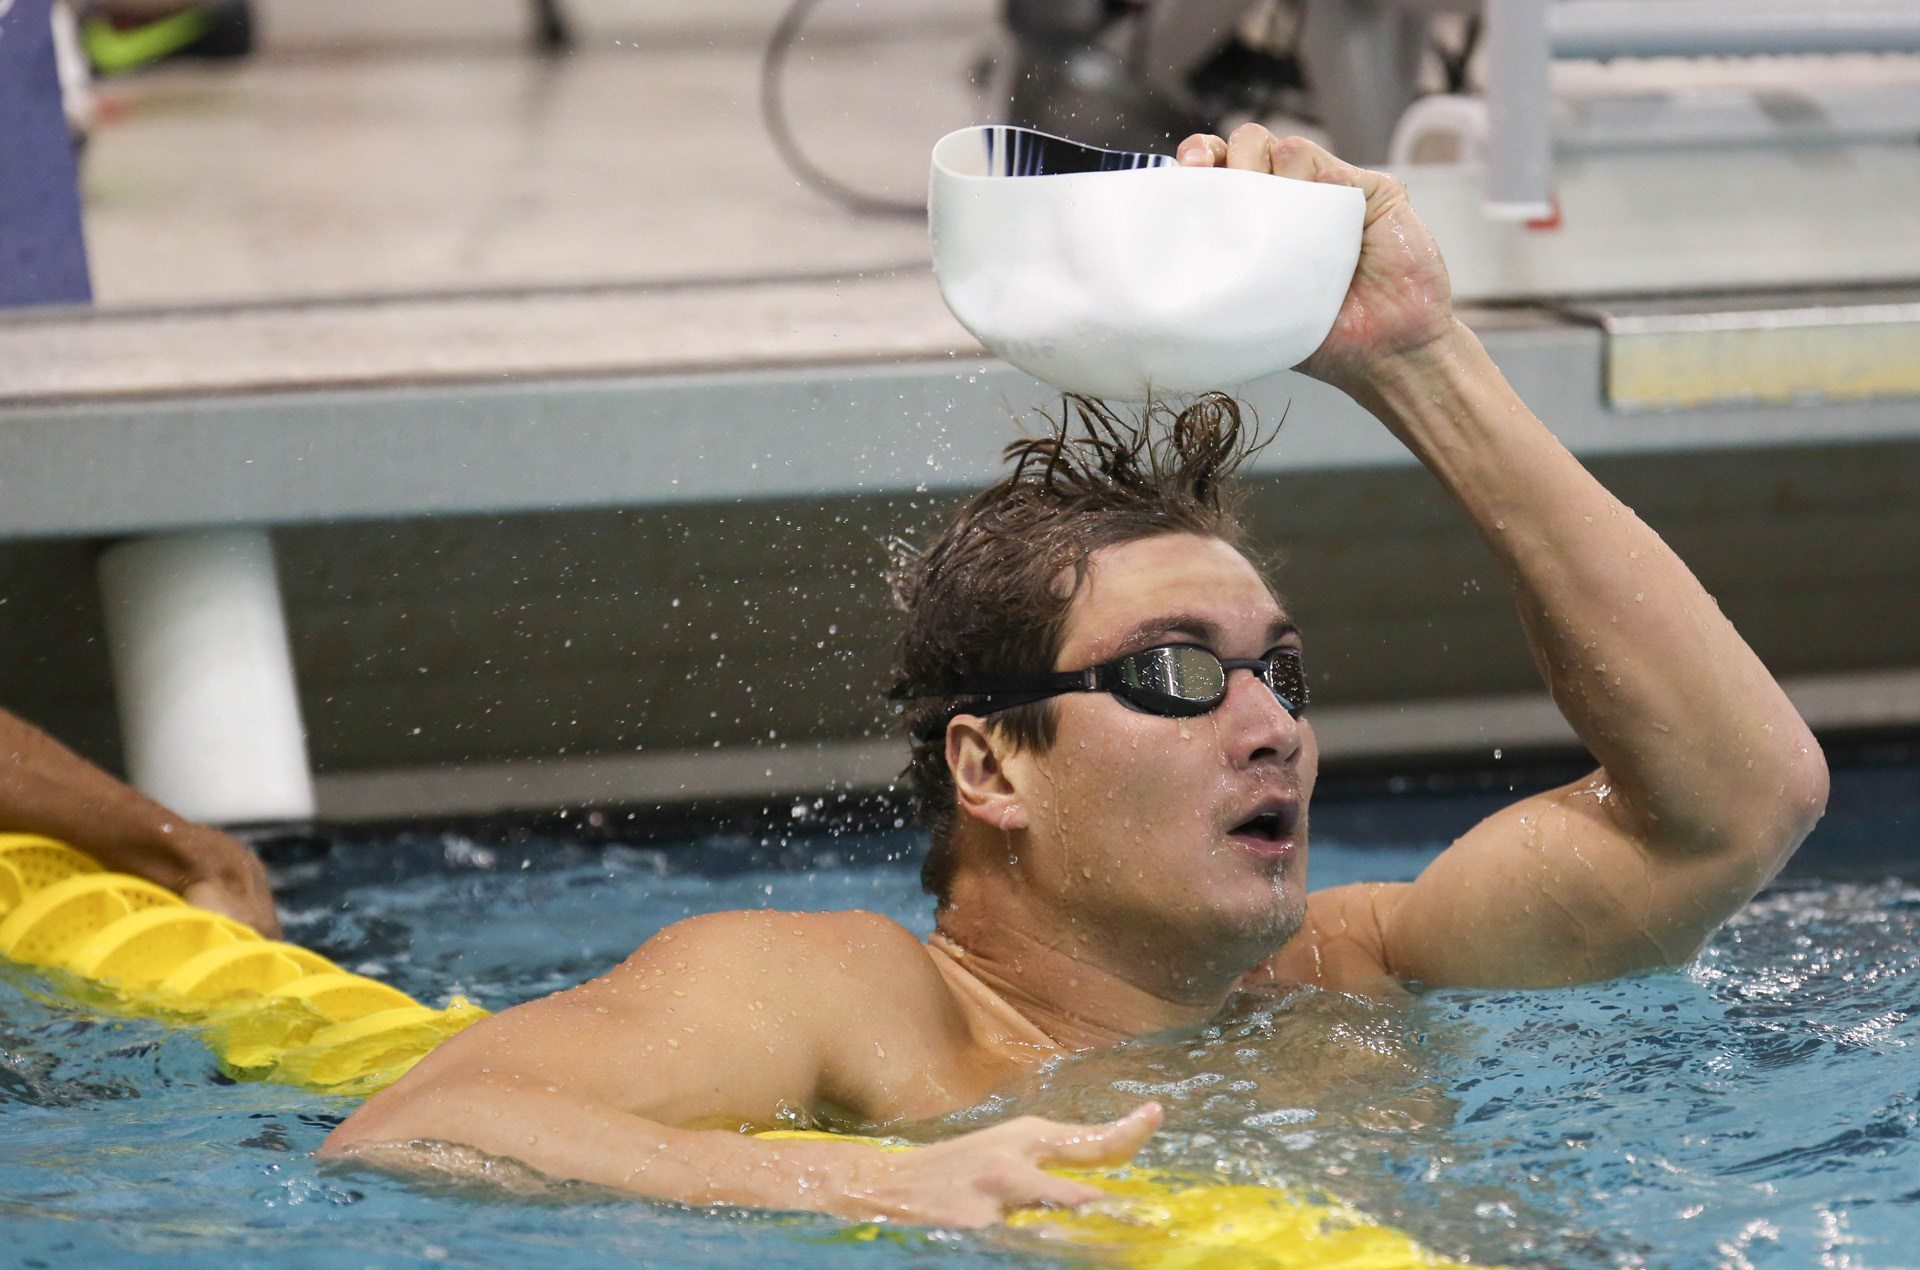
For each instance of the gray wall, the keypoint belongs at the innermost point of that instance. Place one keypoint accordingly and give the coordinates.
(481, 638)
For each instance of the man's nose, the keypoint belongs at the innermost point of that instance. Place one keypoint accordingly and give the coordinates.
(1257, 725)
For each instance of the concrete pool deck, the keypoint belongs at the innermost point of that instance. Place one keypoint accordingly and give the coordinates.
(374, 149)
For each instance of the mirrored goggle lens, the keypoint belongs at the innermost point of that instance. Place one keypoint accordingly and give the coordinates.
(1179, 679)
(1288, 679)
(1183, 680)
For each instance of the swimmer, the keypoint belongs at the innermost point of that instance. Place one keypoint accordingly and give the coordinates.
(1113, 746)
(47, 789)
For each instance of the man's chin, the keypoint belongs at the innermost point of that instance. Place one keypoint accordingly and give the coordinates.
(1260, 924)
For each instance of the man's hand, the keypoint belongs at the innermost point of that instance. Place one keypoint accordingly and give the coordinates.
(1400, 300)
(979, 1178)
(223, 874)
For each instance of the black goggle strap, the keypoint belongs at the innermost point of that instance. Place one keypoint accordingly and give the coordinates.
(1106, 677)
(991, 700)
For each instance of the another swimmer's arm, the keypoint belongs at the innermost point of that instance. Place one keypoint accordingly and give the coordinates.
(727, 1020)
(47, 789)
(1709, 778)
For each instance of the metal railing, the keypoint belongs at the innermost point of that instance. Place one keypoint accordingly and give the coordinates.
(1524, 36)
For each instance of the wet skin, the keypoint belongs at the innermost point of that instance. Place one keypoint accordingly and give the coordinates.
(1110, 859)
(1131, 816)
(1103, 892)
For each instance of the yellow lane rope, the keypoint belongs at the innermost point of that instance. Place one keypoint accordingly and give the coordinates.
(268, 1010)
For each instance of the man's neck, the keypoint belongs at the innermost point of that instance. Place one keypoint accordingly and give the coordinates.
(1080, 995)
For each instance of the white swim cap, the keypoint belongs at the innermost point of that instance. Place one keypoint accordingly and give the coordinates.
(1124, 275)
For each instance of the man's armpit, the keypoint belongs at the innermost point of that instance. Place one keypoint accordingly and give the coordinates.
(1341, 946)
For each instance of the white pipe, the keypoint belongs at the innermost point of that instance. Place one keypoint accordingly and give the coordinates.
(1519, 111)
(1732, 28)
(209, 715)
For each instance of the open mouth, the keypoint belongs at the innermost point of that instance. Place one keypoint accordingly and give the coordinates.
(1270, 829)
(1265, 825)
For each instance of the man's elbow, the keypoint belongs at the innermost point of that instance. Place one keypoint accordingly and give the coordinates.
(396, 1116)
(356, 1133)
(1791, 803)
(1808, 787)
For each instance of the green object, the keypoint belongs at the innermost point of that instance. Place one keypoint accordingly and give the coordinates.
(112, 50)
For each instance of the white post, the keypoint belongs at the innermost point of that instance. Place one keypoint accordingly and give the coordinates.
(209, 716)
(1519, 111)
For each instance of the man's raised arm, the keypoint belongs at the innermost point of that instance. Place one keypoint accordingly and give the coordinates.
(642, 1081)
(1709, 778)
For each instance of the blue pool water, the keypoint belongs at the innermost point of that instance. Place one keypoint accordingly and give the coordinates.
(1759, 1107)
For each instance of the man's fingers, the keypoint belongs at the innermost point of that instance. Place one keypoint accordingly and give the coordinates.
(254, 911)
(1087, 1146)
(1300, 158)
(1202, 150)
(1029, 1187)
(1254, 149)
(1250, 148)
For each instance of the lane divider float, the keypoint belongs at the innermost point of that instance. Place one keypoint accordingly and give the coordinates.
(269, 1010)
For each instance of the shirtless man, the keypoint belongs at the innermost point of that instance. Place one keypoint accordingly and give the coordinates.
(1121, 856)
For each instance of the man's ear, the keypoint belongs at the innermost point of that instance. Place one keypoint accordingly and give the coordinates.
(981, 785)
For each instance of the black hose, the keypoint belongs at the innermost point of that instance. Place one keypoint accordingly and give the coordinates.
(552, 33)
(773, 113)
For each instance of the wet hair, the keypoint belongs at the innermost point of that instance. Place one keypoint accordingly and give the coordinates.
(987, 600)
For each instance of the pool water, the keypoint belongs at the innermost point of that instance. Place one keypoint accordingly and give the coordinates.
(1759, 1107)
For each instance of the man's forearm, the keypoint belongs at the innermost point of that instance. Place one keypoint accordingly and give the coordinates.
(566, 1139)
(45, 788)
(1689, 724)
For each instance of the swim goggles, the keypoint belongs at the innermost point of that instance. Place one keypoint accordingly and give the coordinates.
(1177, 680)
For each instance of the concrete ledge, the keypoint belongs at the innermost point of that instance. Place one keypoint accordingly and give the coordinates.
(673, 777)
(817, 431)
(484, 340)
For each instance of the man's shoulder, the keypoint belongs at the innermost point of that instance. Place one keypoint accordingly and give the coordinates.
(817, 948)
(1341, 946)
(852, 987)
(842, 929)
